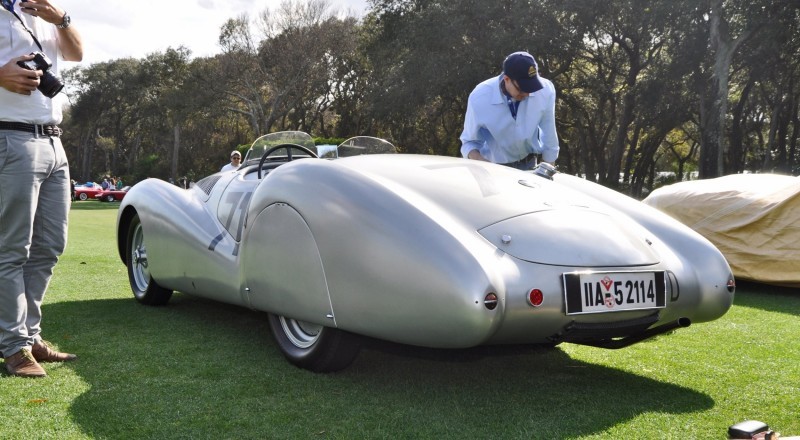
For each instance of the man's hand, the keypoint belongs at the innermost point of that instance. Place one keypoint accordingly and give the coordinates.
(44, 10)
(18, 80)
(476, 155)
(69, 41)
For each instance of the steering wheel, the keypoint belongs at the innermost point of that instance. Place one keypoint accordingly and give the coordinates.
(289, 148)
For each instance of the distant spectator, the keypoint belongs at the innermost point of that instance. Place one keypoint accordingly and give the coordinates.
(236, 160)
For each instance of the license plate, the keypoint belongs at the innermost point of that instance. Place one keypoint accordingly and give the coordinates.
(602, 292)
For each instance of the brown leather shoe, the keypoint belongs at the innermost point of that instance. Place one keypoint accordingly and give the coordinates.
(23, 364)
(42, 352)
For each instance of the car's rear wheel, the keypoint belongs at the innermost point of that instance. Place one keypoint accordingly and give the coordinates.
(144, 287)
(110, 198)
(83, 196)
(314, 347)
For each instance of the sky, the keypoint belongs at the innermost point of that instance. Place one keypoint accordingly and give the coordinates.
(113, 29)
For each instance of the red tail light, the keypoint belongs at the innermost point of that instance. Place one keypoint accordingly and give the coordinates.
(535, 297)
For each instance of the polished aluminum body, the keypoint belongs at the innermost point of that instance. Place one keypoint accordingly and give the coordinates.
(406, 248)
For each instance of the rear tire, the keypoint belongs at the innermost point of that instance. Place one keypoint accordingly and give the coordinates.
(110, 198)
(145, 289)
(314, 347)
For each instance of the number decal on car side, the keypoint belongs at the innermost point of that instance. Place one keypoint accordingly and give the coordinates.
(234, 219)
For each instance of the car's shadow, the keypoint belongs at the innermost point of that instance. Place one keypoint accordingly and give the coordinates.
(768, 297)
(166, 372)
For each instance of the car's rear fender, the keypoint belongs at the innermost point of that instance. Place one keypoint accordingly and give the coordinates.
(393, 268)
(704, 272)
(281, 266)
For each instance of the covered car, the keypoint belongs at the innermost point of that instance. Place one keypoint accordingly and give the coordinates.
(754, 219)
(423, 250)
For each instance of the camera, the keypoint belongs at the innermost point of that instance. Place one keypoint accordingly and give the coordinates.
(49, 84)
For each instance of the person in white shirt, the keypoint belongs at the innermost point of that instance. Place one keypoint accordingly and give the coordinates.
(236, 160)
(34, 174)
(510, 118)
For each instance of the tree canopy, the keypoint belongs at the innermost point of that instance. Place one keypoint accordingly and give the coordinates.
(648, 90)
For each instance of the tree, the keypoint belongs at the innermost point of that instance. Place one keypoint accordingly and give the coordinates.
(730, 23)
(632, 78)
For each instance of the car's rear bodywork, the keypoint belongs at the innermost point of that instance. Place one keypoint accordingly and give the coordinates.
(430, 251)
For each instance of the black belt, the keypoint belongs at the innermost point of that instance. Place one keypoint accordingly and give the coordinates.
(41, 130)
(521, 161)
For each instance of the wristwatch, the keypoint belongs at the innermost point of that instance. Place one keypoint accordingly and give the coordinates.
(65, 22)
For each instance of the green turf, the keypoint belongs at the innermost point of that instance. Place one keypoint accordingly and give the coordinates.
(197, 369)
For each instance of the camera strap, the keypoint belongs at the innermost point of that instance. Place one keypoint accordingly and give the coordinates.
(9, 6)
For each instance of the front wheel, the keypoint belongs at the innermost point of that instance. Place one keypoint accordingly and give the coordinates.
(83, 196)
(144, 287)
(314, 347)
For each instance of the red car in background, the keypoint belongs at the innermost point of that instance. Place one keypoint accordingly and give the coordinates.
(112, 195)
(87, 191)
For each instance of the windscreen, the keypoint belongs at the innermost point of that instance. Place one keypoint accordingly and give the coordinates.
(264, 143)
(357, 146)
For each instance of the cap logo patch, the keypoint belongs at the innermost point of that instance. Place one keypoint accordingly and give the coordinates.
(531, 71)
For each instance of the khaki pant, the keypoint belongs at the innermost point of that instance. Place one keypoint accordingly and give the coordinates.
(34, 207)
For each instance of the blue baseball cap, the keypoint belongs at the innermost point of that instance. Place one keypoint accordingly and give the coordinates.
(522, 68)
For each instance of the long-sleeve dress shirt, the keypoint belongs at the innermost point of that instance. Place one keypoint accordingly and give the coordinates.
(490, 127)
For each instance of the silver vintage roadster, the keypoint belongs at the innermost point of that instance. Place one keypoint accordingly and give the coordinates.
(423, 250)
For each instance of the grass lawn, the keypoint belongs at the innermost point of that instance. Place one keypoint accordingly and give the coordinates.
(197, 369)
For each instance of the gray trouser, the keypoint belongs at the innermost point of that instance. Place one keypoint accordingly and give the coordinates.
(34, 206)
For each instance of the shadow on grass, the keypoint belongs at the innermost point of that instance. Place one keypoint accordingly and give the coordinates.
(767, 297)
(198, 369)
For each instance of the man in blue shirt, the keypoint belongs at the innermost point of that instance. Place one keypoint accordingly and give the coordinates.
(511, 118)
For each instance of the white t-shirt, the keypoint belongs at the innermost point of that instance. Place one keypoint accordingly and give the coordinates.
(15, 41)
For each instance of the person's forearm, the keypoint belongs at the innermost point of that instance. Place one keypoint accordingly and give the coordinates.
(469, 147)
(70, 44)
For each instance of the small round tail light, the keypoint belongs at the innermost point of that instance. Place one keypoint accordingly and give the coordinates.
(535, 297)
(490, 301)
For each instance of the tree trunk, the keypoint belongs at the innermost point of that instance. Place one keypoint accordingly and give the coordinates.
(736, 158)
(715, 106)
(87, 145)
(175, 149)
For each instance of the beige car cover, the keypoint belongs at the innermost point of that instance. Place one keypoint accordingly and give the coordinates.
(753, 219)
